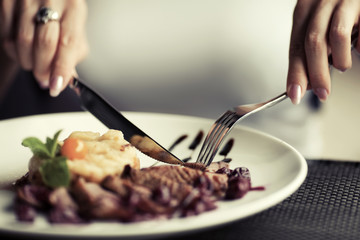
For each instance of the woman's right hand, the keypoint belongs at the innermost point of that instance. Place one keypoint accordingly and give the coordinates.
(50, 50)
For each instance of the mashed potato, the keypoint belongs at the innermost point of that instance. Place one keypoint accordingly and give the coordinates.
(107, 155)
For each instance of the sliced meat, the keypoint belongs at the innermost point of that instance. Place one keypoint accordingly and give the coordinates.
(124, 187)
(140, 198)
(97, 203)
(214, 166)
(180, 180)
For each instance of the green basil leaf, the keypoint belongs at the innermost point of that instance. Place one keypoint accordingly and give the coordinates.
(52, 144)
(37, 147)
(55, 172)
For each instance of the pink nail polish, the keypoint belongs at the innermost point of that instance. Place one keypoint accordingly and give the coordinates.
(321, 93)
(56, 85)
(44, 84)
(294, 93)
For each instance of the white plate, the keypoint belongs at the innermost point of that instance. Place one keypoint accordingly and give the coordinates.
(273, 164)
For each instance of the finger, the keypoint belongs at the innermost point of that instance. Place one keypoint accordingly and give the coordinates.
(7, 18)
(297, 78)
(68, 54)
(24, 36)
(45, 47)
(6, 30)
(340, 36)
(9, 47)
(316, 49)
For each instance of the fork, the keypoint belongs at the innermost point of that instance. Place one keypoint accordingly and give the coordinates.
(223, 125)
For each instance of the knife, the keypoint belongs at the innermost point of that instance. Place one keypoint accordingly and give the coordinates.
(113, 119)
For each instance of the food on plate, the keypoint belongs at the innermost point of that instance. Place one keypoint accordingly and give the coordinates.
(87, 154)
(89, 176)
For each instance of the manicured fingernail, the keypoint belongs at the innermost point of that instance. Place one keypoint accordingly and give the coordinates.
(294, 93)
(44, 84)
(321, 93)
(56, 84)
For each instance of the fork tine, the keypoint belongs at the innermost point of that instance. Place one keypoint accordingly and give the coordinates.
(216, 134)
(219, 125)
(214, 145)
(224, 124)
(211, 148)
(210, 136)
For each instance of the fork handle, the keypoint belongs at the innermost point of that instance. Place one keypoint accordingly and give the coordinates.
(253, 108)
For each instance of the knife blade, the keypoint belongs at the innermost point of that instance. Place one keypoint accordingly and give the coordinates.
(113, 119)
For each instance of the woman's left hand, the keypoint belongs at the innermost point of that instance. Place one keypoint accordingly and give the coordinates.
(320, 27)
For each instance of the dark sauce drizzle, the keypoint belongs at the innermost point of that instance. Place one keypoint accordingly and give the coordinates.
(194, 145)
(227, 148)
(224, 152)
(259, 188)
(177, 142)
(197, 140)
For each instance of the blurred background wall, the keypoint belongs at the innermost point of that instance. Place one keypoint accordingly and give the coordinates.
(218, 52)
(198, 57)
(340, 116)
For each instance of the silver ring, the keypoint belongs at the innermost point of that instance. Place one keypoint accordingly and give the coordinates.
(46, 14)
